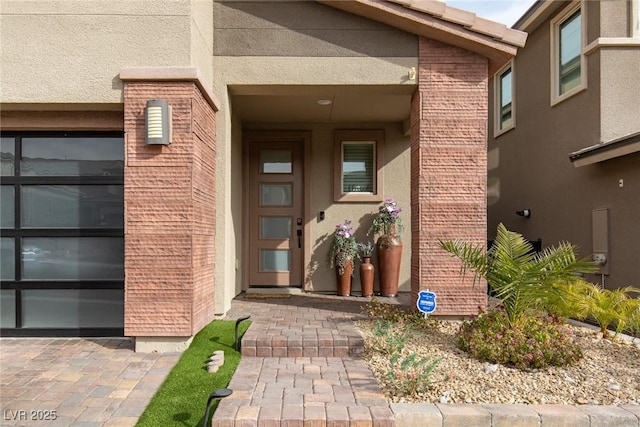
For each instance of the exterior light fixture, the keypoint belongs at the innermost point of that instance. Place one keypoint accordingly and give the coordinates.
(412, 73)
(221, 393)
(158, 122)
(324, 102)
(524, 212)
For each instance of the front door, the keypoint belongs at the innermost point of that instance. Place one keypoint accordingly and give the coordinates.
(275, 213)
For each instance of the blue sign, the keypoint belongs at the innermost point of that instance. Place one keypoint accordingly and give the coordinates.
(426, 302)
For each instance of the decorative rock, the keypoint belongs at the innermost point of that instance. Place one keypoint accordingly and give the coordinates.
(490, 368)
(212, 368)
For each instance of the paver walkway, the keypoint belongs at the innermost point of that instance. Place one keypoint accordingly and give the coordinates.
(302, 366)
(77, 382)
(102, 382)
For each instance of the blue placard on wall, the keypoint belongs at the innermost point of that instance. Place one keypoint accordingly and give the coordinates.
(426, 302)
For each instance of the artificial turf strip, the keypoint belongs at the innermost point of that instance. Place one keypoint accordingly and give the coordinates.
(181, 400)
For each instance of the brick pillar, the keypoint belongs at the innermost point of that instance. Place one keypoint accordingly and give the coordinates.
(169, 213)
(448, 172)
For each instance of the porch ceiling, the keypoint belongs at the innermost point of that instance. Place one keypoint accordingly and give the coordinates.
(300, 103)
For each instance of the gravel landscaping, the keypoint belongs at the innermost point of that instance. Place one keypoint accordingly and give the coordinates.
(609, 373)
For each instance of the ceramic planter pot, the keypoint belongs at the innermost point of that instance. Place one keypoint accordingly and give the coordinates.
(344, 280)
(367, 272)
(389, 249)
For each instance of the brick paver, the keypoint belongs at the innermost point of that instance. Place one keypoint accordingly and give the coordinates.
(77, 382)
(102, 382)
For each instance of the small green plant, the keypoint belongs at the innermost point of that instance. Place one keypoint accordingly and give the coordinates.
(565, 299)
(534, 343)
(344, 248)
(516, 274)
(387, 221)
(366, 249)
(390, 340)
(612, 307)
(410, 375)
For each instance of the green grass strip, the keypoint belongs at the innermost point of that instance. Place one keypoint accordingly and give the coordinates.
(181, 399)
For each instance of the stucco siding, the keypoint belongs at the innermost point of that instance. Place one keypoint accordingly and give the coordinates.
(395, 160)
(72, 52)
(620, 88)
(534, 171)
(303, 29)
(613, 17)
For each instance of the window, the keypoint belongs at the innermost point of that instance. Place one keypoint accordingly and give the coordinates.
(358, 176)
(504, 100)
(62, 206)
(568, 73)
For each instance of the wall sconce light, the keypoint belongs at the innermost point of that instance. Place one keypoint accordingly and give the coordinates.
(412, 73)
(524, 212)
(158, 122)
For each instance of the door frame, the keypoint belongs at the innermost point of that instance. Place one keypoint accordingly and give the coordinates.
(304, 138)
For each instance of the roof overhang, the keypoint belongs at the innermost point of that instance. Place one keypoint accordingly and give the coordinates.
(605, 151)
(435, 20)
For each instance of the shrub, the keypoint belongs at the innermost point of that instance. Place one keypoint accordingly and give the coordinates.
(410, 375)
(609, 307)
(389, 340)
(534, 343)
(517, 275)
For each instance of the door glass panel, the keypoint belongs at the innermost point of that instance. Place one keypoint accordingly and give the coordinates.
(274, 260)
(7, 308)
(275, 161)
(72, 156)
(7, 261)
(7, 211)
(7, 156)
(275, 227)
(275, 194)
(73, 258)
(72, 206)
(73, 308)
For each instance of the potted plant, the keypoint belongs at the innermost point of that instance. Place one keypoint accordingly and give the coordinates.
(388, 224)
(342, 253)
(367, 270)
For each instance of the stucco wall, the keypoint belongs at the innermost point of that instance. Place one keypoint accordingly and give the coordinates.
(302, 29)
(66, 51)
(620, 89)
(534, 170)
(395, 160)
(298, 43)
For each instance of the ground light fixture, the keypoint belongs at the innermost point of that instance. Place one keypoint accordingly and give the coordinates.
(158, 122)
(218, 394)
(236, 344)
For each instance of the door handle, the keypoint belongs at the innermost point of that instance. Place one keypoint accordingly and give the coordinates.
(299, 232)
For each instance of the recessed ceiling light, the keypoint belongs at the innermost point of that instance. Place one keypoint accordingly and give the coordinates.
(324, 101)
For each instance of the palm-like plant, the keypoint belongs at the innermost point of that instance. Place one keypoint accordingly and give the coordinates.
(518, 275)
(608, 306)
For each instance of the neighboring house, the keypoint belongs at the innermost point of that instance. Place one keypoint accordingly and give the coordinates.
(565, 134)
(287, 117)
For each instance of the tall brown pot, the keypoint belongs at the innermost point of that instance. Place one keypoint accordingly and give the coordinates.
(344, 280)
(367, 272)
(389, 249)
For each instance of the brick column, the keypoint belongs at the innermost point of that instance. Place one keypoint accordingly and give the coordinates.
(448, 172)
(169, 213)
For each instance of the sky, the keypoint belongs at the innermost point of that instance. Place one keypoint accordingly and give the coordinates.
(504, 11)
